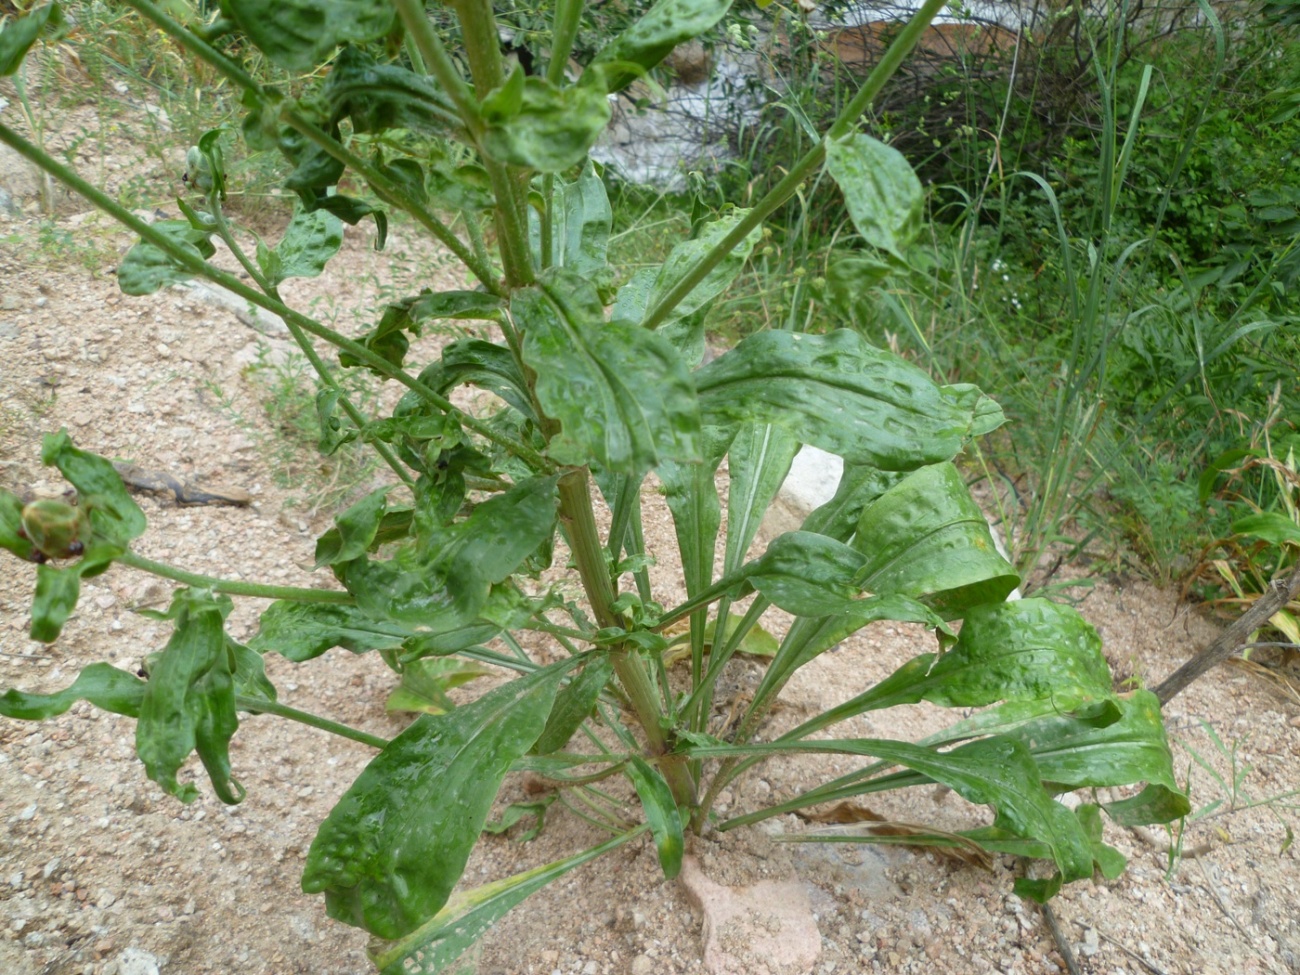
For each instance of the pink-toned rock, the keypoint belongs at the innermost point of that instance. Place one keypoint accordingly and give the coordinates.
(767, 929)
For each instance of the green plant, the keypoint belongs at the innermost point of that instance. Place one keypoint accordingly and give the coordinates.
(442, 562)
(1261, 497)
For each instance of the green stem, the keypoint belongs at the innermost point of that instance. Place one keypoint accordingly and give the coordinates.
(263, 706)
(191, 262)
(805, 167)
(483, 52)
(439, 62)
(235, 587)
(584, 539)
(564, 30)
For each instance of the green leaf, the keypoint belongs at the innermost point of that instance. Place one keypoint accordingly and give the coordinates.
(649, 40)
(545, 127)
(686, 255)
(113, 513)
(250, 672)
(756, 642)
(19, 35)
(759, 460)
(189, 702)
(849, 283)
(309, 241)
(425, 684)
(883, 195)
(11, 526)
(516, 812)
(390, 852)
(1269, 526)
(1072, 753)
(1028, 650)
(997, 772)
(692, 497)
(106, 687)
(147, 268)
(355, 530)
(333, 434)
(582, 221)
(835, 392)
(574, 703)
(1154, 804)
(926, 538)
(303, 631)
(430, 948)
(300, 34)
(378, 97)
(660, 812)
(473, 361)
(446, 585)
(806, 574)
(55, 599)
(859, 486)
(621, 394)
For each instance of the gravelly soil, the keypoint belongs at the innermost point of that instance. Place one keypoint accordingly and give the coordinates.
(102, 874)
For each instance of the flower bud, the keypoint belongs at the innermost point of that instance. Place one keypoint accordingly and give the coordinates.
(58, 530)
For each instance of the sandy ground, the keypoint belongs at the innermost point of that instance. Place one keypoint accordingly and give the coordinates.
(102, 874)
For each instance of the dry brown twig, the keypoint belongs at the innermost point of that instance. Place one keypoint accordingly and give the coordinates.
(1279, 593)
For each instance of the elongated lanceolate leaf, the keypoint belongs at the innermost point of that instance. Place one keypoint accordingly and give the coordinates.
(1030, 650)
(104, 686)
(1071, 753)
(835, 392)
(390, 852)
(996, 772)
(301, 34)
(859, 486)
(621, 394)
(649, 40)
(54, 600)
(808, 637)
(926, 538)
(574, 703)
(475, 362)
(759, 460)
(147, 268)
(430, 948)
(189, 702)
(376, 96)
(660, 812)
(12, 534)
(881, 191)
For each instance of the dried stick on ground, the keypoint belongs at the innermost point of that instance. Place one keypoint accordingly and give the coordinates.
(1278, 594)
